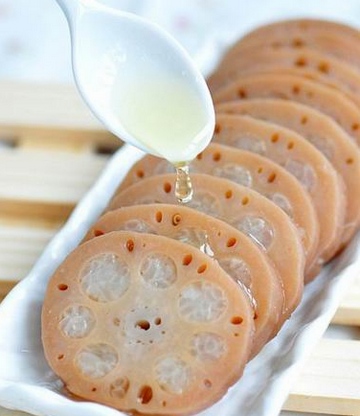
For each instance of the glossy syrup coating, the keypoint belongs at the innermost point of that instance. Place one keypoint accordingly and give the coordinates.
(236, 253)
(254, 171)
(145, 323)
(243, 208)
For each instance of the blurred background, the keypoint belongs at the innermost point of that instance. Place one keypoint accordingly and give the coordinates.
(34, 40)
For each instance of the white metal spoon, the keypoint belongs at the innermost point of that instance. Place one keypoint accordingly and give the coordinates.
(139, 81)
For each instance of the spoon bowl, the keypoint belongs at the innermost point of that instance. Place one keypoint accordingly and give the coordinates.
(139, 81)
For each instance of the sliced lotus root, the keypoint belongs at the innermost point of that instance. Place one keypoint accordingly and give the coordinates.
(144, 323)
(252, 170)
(300, 158)
(328, 37)
(291, 87)
(305, 62)
(308, 27)
(237, 254)
(243, 208)
(320, 130)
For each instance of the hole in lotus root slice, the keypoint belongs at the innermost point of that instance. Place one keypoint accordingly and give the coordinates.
(140, 173)
(301, 61)
(207, 383)
(202, 302)
(98, 233)
(195, 237)
(257, 228)
(77, 321)
(271, 178)
(216, 156)
(137, 225)
(206, 202)
(228, 194)
(237, 320)
(145, 394)
(202, 268)
(275, 138)
(296, 89)
(167, 187)
(304, 120)
(251, 144)
(187, 259)
(298, 43)
(290, 145)
(207, 346)
(105, 278)
(172, 374)
(231, 242)
(158, 271)
(130, 245)
(96, 360)
(119, 387)
(176, 219)
(304, 173)
(235, 173)
(143, 325)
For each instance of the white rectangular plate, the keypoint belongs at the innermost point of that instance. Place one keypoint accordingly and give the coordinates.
(28, 384)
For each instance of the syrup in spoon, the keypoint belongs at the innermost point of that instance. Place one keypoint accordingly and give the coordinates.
(141, 84)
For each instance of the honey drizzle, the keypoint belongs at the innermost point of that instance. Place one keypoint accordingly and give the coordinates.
(183, 186)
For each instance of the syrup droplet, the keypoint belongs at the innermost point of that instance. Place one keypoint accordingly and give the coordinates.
(183, 187)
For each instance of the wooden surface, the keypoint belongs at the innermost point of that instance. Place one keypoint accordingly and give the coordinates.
(330, 380)
(51, 151)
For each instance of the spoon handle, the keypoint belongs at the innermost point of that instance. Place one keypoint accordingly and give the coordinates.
(69, 7)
